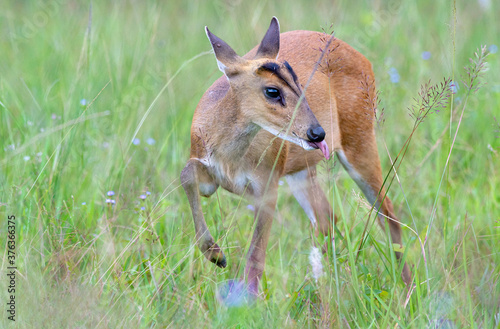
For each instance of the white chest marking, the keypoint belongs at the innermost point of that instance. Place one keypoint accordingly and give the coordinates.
(234, 180)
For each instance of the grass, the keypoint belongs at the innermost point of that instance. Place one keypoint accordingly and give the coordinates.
(103, 102)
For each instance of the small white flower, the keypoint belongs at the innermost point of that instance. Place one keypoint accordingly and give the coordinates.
(27, 158)
(484, 4)
(315, 261)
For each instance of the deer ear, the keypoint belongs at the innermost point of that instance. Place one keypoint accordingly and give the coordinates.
(225, 55)
(270, 44)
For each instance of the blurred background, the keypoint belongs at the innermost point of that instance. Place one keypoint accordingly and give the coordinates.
(96, 102)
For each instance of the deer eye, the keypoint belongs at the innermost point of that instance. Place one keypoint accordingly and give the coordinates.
(272, 93)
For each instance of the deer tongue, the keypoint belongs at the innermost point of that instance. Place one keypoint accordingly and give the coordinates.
(323, 147)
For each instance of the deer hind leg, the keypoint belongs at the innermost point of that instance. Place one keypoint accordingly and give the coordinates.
(196, 181)
(363, 165)
(312, 199)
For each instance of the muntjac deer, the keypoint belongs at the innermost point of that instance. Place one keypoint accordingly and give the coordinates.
(235, 125)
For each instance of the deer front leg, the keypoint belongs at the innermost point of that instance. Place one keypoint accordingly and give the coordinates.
(195, 179)
(312, 199)
(256, 259)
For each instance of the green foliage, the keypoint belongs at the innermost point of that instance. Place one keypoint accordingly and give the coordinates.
(103, 102)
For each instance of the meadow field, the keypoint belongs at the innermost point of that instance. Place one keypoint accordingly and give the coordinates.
(96, 102)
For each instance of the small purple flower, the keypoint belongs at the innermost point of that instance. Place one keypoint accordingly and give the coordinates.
(83, 102)
(54, 116)
(110, 201)
(151, 141)
(136, 141)
(143, 208)
(148, 193)
(234, 294)
(493, 49)
(251, 207)
(394, 75)
(142, 196)
(84, 203)
(110, 193)
(426, 55)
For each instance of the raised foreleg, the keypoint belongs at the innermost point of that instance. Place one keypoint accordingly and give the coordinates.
(196, 180)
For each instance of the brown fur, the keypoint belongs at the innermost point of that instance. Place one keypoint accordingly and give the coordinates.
(226, 142)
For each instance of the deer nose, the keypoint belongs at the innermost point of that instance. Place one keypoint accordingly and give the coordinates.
(316, 134)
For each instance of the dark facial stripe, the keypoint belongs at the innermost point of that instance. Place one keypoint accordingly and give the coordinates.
(270, 66)
(275, 69)
(292, 73)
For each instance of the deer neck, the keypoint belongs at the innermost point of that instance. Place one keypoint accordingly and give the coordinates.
(235, 132)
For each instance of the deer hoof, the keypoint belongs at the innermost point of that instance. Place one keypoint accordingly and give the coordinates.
(216, 256)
